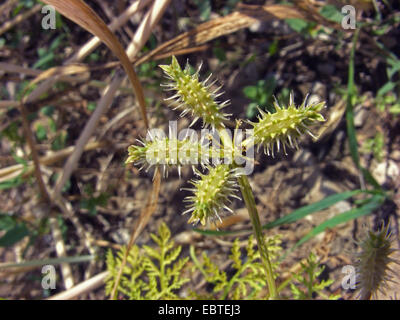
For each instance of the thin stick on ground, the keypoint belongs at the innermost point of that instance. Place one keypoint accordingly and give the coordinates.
(60, 248)
(81, 288)
(17, 169)
(19, 18)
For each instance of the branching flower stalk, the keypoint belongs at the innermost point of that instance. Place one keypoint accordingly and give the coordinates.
(213, 190)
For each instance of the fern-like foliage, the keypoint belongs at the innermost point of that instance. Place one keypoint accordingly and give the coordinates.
(157, 272)
(248, 278)
(151, 274)
(307, 279)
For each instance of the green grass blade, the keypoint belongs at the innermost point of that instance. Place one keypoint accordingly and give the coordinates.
(221, 233)
(368, 176)
(292, 217)
(351, 92)
(351, 130)
(373, 203)
(14, 235)
(312, 208)
(11, 183)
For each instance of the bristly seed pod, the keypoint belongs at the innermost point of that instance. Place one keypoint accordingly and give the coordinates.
(373, 272)
(164, 152)
(285, 126)
(194, 96)
(211, 194)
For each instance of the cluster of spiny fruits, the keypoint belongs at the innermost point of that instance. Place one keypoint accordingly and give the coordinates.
(213, 189)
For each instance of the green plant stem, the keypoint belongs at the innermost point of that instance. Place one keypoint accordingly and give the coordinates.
(250, 202)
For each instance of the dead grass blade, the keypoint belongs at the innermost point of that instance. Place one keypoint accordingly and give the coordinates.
(243, 17)
(58, 72)
(73, 159)
(15, 170)
(19, 18)
(7, 4)
(142, 33)
(8, 104)
(79, 12)
(85, 286)
(93, 43)
(29, 136)
(8, 67)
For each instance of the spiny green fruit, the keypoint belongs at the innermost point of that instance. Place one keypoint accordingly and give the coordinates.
(285, 126)
(194, 96)
(211, 194)
(373, 272)
(165, 152)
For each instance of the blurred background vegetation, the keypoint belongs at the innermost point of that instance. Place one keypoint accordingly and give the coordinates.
(317, 198)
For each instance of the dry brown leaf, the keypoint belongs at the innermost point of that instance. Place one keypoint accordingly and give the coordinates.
(79, 12)
(58, 71)
(244, 17)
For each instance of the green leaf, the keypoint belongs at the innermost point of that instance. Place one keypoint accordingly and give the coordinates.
(59, 142)
(251, 110)
(219, 53)
(44, 60)
(20, 160)
(12, 183)
(250, 92)
(351, 92)
(263, 98)
(92, 202)
(312, 208)
(330, 12)
(395, 65)
(56, 43)
(91, 106)
(205, 9)
(41, 133)
(47, 110)
(14, 235)
(298, 25)
(295, 215)
(373, 203)
(217, 233)
(153, 274)
(6, 222)
(52, 125)
(273, 47)
(351, 130)
(12, 132)
(388, 86)
(395, 109)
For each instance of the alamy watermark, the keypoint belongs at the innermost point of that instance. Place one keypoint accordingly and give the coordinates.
(349, 280)
(49, 20)
(349, 19)
(49, 277)
(209, 148)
